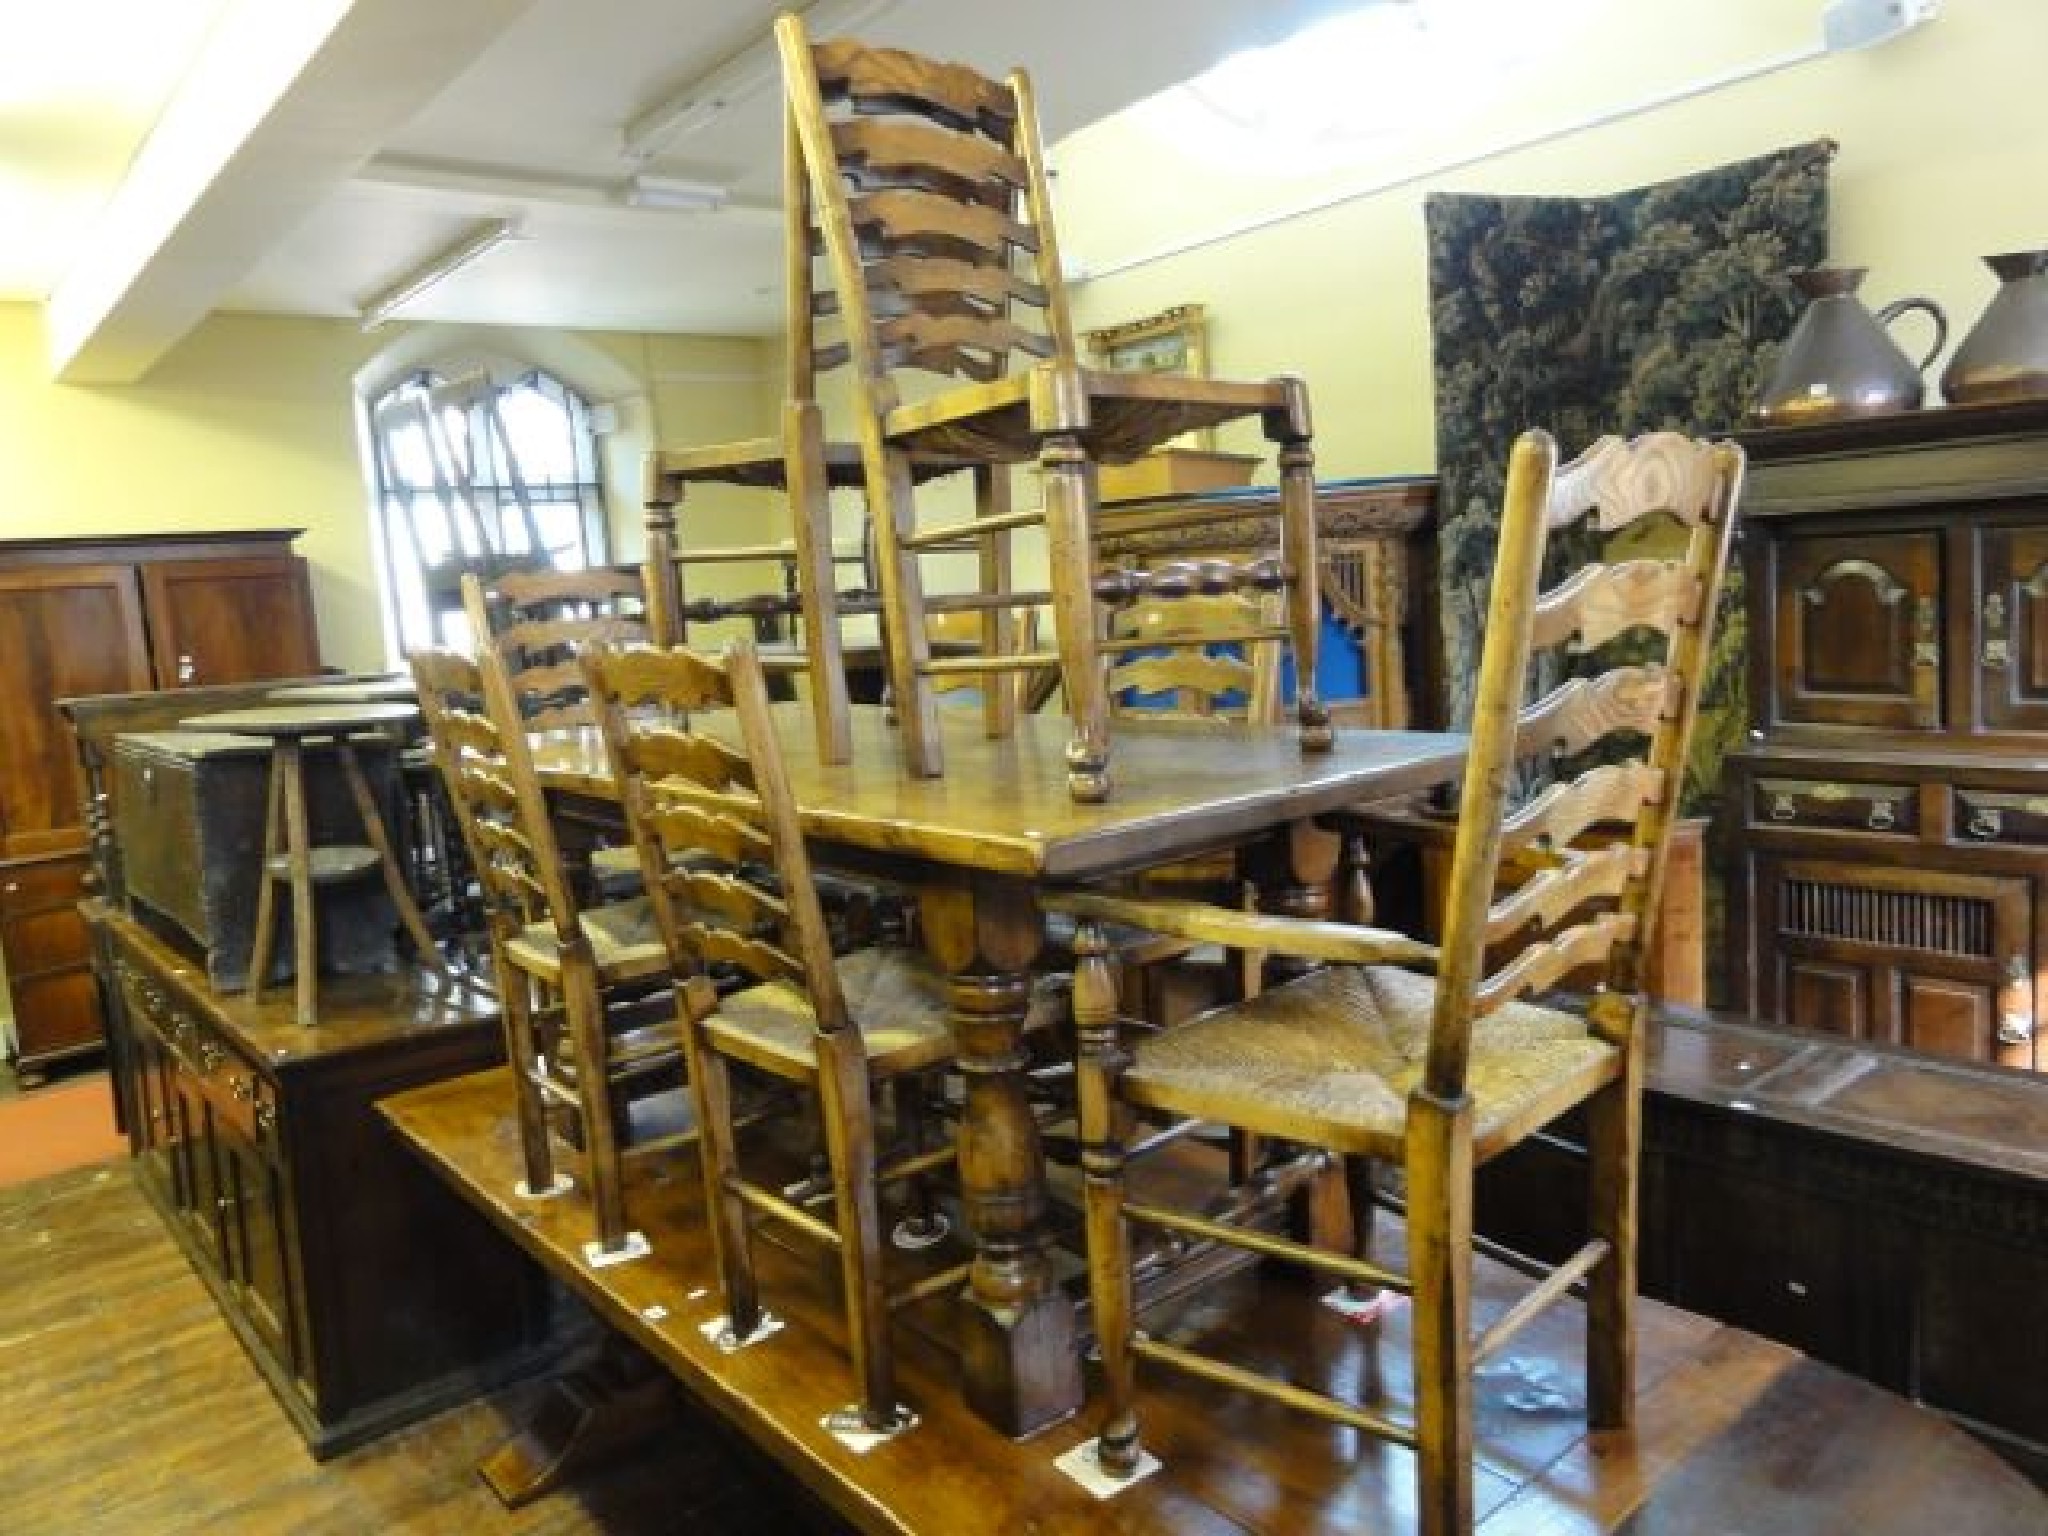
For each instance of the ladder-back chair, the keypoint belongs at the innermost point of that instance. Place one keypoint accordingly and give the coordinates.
(1436, 1058)
(693, 749)
(589, 1022)
(535, 622)
(927, 184)
(798, 463)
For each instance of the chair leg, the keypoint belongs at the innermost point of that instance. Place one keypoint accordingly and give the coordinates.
(1613, 1144)
(850, 1137)
(584, 1007)
(1103, 1128)
(1069, 514)
(731, 1244)
(925, 1224)
(1440, 1258)
(892, 513)
(515, 1000)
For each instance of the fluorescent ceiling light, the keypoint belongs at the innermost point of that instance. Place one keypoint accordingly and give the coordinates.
(755, 67)
(485, 236)
(645, 191)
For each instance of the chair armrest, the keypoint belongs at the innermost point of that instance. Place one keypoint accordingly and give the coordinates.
(1302, 938)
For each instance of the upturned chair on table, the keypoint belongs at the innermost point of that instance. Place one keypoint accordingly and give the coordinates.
(798, 463)
(590, 1030)
(927, 184)
(693, 748)
(1438, 1057)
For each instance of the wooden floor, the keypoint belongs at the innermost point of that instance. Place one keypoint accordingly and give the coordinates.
(131, 1411)
(1735, 1433)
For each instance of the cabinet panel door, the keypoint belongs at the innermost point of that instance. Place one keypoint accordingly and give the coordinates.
(1859, 630)
(2012, 628)
(259, 1259)
(49, 960)
(64, 630)
(1937, 961)
(230, 621)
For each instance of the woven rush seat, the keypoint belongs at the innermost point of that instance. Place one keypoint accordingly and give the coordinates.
(1334, 1055)
(624, 943)
(774, 1025)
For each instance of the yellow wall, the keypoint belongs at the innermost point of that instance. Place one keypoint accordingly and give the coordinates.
(1938, 164)
(252, 422)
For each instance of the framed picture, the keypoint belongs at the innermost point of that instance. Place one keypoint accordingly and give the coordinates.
(1173, 341)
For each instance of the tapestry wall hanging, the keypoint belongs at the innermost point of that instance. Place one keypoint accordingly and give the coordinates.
(1663, 306)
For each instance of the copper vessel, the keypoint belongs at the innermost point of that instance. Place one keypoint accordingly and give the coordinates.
(1839, 360)
(2005, 356)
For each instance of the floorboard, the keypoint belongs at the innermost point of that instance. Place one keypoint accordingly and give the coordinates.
(132, 1411)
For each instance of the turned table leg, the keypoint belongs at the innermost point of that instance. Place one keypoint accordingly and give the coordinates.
(1019, 1364)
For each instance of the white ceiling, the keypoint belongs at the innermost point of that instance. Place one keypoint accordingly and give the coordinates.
(160, 159)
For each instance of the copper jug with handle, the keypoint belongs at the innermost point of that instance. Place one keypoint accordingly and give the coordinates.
(2005, 355)
(1840, 361)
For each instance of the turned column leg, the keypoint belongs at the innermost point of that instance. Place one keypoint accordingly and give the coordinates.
(1070, 552)
(1019, 1364)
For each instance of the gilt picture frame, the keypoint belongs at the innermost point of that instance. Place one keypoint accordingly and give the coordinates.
(1174, 341)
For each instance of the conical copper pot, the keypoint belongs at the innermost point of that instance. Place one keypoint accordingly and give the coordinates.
(1839, 360)
(2005, 356)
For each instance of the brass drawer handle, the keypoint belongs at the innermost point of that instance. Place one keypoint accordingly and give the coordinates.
(1882, 817)
(1783, 808)
(1986, 821)
(1926, 649)
(2016, 1025)
(1997, 652)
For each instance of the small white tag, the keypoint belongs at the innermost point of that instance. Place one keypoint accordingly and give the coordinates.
(719, 1332)
(1361, 1310)
(1085, 1467)
(633, 1245)
(845, 1426)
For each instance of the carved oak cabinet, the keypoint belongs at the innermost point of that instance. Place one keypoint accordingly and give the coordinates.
(97, 616)
(1889, 817)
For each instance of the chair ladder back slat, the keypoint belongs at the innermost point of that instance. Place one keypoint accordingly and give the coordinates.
(1544, 964)
(1613, 794)
(1602, 601)
(1599, 874)
(1584, 710)
(1619, 481)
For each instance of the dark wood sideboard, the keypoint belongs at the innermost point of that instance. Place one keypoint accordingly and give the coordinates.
(1880, 1209)
(108, 615)
(366, 1294)
(1888, 819)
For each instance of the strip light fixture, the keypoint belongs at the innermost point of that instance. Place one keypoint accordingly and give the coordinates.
(486, 235)
(746, 73)
(647, 191)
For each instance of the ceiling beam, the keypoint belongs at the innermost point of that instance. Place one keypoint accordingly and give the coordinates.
(282, 107)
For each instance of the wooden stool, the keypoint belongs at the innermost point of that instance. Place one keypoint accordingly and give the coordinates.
(288, 853)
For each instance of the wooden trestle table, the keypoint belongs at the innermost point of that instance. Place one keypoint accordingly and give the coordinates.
(976, 846)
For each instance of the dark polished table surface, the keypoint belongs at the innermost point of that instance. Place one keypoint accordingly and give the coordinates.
(977, 845)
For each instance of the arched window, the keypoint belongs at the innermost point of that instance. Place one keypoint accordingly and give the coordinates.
(475, 474)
